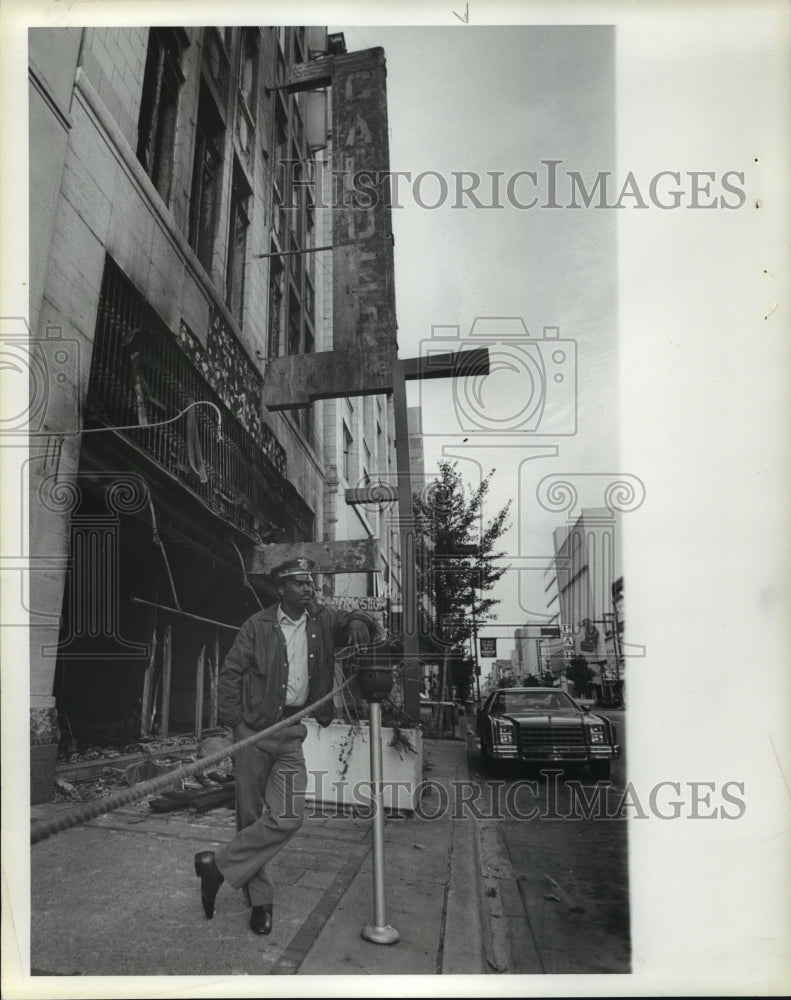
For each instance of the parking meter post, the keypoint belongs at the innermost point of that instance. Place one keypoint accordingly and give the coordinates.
(374, 681)
(379, 932)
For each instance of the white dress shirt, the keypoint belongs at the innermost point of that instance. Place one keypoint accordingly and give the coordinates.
(295, 633)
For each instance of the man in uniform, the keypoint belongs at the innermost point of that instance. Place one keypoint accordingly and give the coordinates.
(282, 659)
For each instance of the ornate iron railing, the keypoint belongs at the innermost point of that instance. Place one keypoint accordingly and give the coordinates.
(142, 374)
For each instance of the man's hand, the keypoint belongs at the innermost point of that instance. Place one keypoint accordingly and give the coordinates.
(358, 633)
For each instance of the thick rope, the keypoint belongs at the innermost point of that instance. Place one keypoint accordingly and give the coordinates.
(90, 810)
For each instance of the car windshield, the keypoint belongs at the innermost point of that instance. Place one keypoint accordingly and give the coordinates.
(530, 701)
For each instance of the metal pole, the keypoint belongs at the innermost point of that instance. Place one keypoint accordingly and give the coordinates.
(379, 932)
(145, 713)
(616, 641)
(407, 530)
(184, 614)
(215, 677)
(166, 666)
(475, 646)
(199, 694)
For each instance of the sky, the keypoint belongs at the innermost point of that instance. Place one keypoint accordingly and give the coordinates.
(496, 102)
(680, 319)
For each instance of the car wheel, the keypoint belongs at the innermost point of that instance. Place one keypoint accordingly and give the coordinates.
(600, 770)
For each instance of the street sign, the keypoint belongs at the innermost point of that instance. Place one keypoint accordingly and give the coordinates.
(488, 647)
(550, 631)
(357, 603)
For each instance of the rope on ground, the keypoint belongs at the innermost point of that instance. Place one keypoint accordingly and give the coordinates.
(90, 810)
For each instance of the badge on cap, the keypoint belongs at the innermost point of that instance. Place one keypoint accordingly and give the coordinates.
(295, 567)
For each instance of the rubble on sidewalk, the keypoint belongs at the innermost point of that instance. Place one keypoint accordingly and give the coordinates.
(211, 789)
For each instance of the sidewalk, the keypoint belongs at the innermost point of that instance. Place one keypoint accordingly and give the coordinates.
(119, 897)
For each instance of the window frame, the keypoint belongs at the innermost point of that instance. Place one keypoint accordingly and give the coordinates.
(205, 191)
(157, 118)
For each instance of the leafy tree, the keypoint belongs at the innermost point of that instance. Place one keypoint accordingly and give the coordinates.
(456, 562)
(580, 674)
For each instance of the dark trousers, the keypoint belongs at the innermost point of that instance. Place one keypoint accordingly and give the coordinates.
(270, 805)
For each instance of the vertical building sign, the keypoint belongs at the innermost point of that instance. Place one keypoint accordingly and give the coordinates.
(364, 328)
(362, 258)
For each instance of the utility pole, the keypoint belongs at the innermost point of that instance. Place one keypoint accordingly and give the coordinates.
(613, 623)
(616, 642)
(475, 645)
(406, 530)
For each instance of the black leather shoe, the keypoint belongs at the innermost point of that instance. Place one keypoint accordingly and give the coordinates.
(261, 920)
(211, 878)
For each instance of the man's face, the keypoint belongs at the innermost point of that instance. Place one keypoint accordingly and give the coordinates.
(297, 590)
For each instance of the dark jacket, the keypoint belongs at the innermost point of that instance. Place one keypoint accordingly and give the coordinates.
(253, 678)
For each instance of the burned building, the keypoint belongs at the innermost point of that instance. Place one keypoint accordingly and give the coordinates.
(174, 259)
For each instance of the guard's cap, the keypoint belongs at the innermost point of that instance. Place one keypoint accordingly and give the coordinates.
(294, 568)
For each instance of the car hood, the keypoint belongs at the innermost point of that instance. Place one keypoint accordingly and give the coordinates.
(554, 715)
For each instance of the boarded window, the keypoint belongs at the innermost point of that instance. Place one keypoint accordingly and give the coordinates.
(248, 68)
(237, 244)
(348, 444)
(275, 306)
(156, 130)
(209, 140)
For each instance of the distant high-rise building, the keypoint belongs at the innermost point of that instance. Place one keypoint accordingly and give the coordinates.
(587, 564)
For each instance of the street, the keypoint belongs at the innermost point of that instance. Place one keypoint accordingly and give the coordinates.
(553, 851)
(539, 858)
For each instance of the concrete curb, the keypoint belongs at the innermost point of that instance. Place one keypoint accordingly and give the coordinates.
(494, 955)
(464, 952)
(508, 945)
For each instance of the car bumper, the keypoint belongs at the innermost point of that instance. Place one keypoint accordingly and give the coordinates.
(570, 755)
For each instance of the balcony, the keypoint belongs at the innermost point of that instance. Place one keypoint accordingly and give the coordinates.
(141, 374)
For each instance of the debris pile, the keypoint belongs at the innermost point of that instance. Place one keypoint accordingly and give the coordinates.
(72, 755)
(201, 792)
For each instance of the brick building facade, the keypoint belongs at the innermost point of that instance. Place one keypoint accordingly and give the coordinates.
(172, 220)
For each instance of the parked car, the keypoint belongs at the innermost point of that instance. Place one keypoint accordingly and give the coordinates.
(543, 725)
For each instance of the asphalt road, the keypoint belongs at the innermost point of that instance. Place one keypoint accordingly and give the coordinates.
(555, 864)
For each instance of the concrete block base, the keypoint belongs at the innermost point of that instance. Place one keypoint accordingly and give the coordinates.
(42, 772)
(339, 769)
